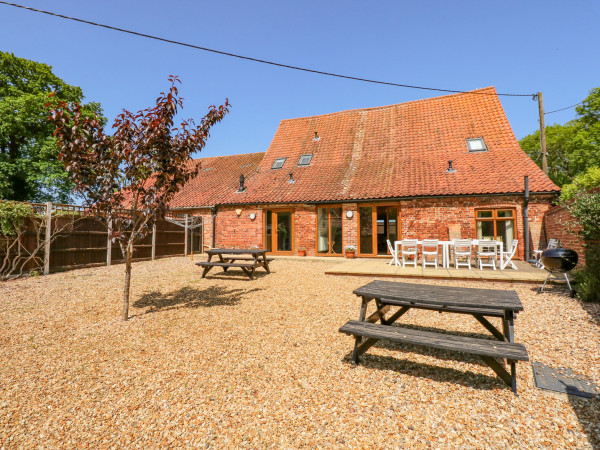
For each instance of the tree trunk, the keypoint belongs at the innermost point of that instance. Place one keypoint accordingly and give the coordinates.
(128, 257)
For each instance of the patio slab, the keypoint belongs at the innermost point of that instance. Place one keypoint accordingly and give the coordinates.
(525, 273)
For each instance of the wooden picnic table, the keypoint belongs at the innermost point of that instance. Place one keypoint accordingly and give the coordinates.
(229, 256)
(480, 303)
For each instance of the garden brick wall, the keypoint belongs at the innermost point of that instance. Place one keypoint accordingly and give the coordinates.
(556, 227)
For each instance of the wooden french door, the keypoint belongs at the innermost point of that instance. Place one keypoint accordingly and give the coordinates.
(329, 230)
(377, 224)
(278, 231)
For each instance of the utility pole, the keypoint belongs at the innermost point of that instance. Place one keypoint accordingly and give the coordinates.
(542, 133)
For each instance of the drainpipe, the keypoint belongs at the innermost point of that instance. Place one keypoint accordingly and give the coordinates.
(526, 218)
(214, 225)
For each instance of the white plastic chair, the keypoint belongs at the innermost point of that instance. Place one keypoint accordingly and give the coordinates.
(508, 256)
(430, 247)
(462, 249)
(552, 243)
(486, 250)
(393, 253)
(409, 248)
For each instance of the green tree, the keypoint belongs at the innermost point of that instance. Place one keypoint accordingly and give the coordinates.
(574, 147)
(29, 165)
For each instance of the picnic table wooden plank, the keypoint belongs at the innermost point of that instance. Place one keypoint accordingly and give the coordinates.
(493, 312)
(442, 295)
(228, 256)
(442, 341)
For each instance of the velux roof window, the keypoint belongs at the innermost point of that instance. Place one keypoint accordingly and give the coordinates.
(278, 164)
(476, 145)
(305, 160)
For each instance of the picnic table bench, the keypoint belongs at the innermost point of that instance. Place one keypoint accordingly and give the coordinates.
(480, 303)
(229, 256)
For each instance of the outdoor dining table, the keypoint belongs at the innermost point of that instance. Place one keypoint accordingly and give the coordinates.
(480, 303)
(229, 256)
(446, 249)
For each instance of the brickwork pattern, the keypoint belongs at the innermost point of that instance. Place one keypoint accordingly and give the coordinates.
(556, 226)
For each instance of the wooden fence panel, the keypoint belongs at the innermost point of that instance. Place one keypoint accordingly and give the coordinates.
(170, 239)
(83, 242)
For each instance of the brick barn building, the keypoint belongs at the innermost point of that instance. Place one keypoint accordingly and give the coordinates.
(363, 176)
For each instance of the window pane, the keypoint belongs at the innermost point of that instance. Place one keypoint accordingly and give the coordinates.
(484, 214)
(278, 164)
(506, 232)
(505, 213)
(268, 231)
(305, 160)
(476, 145)
(284, 231)
(485, 230)
(366, 229)
(392, 225)
(323, 230)
(336, 230)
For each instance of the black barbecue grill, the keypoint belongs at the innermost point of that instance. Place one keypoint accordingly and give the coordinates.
(559, 260)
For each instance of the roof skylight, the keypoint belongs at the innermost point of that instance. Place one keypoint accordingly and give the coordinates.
(278, 164)
(305, 160)
(476, 145)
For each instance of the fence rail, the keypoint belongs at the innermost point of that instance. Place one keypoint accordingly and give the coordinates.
(72, 244)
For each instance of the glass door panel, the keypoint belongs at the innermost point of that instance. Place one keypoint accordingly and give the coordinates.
(269, 231)
(323, 230)
(392, 224)
(365, 230)
(284, 231)
(329, 231)
(336, 230)
(382, 230)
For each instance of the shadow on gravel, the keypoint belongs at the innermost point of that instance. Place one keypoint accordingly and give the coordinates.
(588, 413)
(434, 373)
(189, 297)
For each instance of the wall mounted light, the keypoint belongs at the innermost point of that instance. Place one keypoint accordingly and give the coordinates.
(238, 212)
(252, 216)
(349, 214)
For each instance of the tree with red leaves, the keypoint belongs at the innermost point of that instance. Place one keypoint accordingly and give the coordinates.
(129, 178)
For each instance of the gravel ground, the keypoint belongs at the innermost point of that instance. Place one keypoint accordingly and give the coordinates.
(225, 362)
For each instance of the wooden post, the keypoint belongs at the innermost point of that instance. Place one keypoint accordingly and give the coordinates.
(154, 241)
(185, 239)
(48, 238)
(109, 244)
(542, 133)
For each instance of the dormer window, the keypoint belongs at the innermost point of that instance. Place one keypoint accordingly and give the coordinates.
(304, 160)
(278, 164)
(476, 145)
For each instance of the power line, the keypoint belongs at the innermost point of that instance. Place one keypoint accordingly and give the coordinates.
(248, 58)
(562, 109)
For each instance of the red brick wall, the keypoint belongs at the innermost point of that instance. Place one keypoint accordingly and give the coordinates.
(434, 218)
(238, 231)
(556, 227)
(350, 225)
(420, 218)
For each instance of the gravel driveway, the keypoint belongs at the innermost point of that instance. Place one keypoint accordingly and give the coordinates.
(227, 362)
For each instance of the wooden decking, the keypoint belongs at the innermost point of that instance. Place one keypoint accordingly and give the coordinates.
(380, 268)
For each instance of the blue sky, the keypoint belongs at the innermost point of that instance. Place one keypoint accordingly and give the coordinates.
(516, 46)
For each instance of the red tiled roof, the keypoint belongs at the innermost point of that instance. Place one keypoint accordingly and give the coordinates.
(217, 177)
(391, 152)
